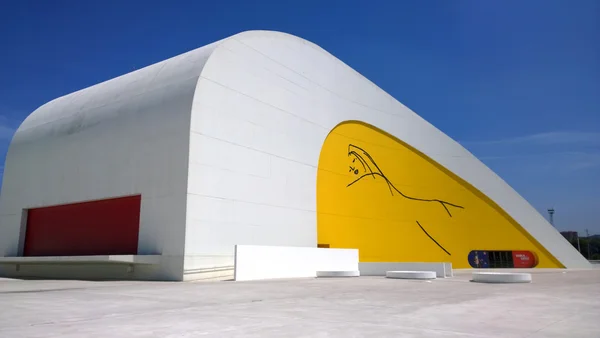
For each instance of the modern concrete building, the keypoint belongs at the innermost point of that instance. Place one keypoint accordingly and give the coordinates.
(261, 138)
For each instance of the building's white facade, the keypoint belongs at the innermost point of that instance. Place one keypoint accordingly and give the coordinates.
(222, 143)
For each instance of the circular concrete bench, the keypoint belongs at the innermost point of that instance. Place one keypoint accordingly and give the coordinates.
(411, 274)
(338, 273)
(501, 277)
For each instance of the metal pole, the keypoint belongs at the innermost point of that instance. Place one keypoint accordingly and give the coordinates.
(587, 233)
(578, 244)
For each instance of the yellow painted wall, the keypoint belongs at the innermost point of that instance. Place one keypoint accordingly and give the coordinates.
(379, 195)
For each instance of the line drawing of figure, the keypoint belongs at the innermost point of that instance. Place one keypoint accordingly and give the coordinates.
(371, 169)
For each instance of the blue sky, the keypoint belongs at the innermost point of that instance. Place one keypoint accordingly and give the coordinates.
(516, 82)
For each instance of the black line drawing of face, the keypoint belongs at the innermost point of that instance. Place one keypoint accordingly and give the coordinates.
(362, 166)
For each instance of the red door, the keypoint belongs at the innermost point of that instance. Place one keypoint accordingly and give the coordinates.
(104, 227)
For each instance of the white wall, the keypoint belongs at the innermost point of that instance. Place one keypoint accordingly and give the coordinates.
(241, 190)
(122, 137)
(264, 105)
(256, 262)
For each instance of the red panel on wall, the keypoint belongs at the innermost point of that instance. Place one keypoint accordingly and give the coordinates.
(105, 227)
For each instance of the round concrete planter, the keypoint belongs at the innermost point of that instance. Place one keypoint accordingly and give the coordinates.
(411, 274)
(501, 277)
(338, 273)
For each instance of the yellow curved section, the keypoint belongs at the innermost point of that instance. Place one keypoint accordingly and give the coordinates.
(395, 204)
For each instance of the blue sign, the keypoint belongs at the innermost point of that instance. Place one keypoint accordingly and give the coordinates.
(479, 259)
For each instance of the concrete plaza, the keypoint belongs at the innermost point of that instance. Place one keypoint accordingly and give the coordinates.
(557, 304)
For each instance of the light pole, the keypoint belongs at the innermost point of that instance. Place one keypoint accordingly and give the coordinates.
(551, 214)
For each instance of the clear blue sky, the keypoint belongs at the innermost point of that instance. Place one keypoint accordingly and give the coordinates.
(517, 82)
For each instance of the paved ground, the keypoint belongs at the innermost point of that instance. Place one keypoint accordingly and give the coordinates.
(556, 304)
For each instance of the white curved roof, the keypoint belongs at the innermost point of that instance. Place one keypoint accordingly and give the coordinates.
(82, 109)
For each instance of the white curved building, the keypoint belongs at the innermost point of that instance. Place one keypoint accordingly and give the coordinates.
(253, 139)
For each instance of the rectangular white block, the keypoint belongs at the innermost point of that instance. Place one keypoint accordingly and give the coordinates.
(442, 270)
(255, 262)
(448, 270)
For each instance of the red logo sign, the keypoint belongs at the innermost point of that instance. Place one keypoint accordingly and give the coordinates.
(524, 259)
